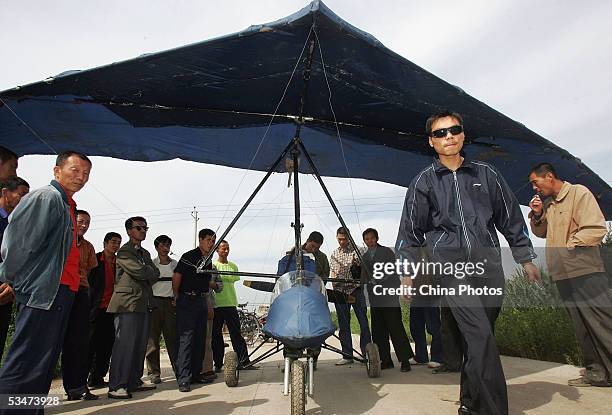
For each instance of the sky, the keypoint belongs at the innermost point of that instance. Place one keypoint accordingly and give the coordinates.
(545, 64)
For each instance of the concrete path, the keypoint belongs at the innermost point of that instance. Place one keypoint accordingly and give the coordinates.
(534, 387)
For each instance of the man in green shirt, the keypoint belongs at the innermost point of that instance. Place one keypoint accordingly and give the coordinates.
(225, 312)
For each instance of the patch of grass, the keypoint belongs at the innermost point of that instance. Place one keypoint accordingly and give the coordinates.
(534, 324)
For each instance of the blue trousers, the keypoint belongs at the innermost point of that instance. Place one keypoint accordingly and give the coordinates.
(32, 356)
(421, 319)
(76, 345)
(343, 312)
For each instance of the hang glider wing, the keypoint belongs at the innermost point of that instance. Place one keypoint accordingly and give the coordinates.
(212, 102)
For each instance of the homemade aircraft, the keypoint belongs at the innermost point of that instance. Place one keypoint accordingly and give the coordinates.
(357, 110)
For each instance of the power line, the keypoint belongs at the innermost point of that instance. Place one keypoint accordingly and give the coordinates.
(262, 216)
(206, 207)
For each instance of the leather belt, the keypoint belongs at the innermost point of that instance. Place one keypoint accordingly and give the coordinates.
(195, 293)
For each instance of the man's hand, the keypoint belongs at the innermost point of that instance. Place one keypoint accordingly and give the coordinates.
(536, 205)
(6, 294)
(531, 271)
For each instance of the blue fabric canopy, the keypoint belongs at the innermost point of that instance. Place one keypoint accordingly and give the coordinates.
(299, 318)
(212, 102)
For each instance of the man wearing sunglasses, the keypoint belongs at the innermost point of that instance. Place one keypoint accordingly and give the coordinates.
(132, 304)
(453, 209)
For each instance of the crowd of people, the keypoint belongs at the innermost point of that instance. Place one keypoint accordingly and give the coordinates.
(106, 312)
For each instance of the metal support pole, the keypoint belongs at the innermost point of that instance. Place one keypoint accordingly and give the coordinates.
(286, 377)
(310, 361)
(295, 153)
(297, 224)
(287, 149)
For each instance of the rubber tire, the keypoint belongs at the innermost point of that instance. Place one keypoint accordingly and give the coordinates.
(298, 388)
(230, 369)
(372, 360)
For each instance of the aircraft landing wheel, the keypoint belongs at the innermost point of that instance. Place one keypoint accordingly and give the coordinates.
(372, 360)
(298, 388)
(230, 369)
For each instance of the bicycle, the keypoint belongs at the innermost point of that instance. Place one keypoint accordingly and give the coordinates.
(250, 325)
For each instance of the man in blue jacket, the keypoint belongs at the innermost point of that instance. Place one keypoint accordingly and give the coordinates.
(454, 208)
(12, 189)
(41, 263)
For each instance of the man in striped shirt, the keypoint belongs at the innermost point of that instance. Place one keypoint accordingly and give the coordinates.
(341, 260)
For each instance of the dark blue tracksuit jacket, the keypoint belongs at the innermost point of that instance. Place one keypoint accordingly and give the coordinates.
(455, 216)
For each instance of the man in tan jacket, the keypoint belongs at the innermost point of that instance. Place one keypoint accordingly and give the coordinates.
(574, 226)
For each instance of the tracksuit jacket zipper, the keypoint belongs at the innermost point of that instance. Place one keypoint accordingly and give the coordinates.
(467, 239)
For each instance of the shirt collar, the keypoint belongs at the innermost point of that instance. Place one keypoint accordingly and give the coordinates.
(439, 167)
(563, 192)
(60, 189)
(346, 250)
(103, 257)
(3, 213)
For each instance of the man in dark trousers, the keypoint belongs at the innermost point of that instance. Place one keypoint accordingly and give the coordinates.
(163, 317)
(132, 304)
(12, 189)
(385, 308)
(102, 325)
(41, 264)
(190, 288)
(76, 343)
(454, 208)
(574, 227)
(341, 260)
(226, 312)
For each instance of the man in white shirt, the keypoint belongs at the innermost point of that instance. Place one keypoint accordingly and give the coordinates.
(163, 318)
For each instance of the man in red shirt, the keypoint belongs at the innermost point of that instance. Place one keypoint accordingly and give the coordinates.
(101, 284)
(41, 264)
(74, 350)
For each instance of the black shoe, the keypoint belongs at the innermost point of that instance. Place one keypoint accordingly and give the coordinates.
(406, 367)
(74, 396)
(464, 410)
(443, 369)
(386, 365)
(184, 387)
(210, 375)
(88, 396)
(218, 369)
(201, 380)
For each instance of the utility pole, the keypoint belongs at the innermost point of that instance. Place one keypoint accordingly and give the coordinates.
(194, 215)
